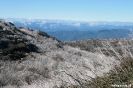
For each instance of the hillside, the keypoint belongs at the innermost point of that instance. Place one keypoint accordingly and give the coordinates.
(33, 59)
(120, 48)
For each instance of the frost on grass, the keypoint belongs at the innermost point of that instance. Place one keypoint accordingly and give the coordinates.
(54, 64)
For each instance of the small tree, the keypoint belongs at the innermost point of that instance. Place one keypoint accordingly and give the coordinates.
(131, 34)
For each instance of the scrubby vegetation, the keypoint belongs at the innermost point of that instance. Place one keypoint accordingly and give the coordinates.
(58, 65)
(122, 75)
(43, 34)
(120, 48)
(14, 46)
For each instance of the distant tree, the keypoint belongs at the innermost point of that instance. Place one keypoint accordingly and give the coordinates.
(131, 34)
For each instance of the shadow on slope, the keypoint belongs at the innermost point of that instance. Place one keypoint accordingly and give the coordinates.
(13, 46)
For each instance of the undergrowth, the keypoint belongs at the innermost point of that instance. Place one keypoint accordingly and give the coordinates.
(122, 75)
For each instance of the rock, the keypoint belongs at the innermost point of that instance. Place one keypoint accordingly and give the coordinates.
(4, 29)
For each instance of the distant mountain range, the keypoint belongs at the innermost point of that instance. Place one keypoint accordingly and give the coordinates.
(79, 35)
(67, 30)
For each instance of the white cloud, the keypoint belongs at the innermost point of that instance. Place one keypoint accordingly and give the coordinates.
(77, 24)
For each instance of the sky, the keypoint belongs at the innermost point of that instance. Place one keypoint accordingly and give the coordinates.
(76, 10)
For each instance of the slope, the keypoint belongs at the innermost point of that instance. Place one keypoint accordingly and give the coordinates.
(48, 63)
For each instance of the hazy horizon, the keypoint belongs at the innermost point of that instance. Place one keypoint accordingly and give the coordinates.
(75, 10)
(66, 20)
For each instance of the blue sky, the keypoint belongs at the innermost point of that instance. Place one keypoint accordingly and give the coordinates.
(79, 10)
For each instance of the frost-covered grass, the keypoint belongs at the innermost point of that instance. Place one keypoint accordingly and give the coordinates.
(55, 64)
(75, 67)
(122, 75)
